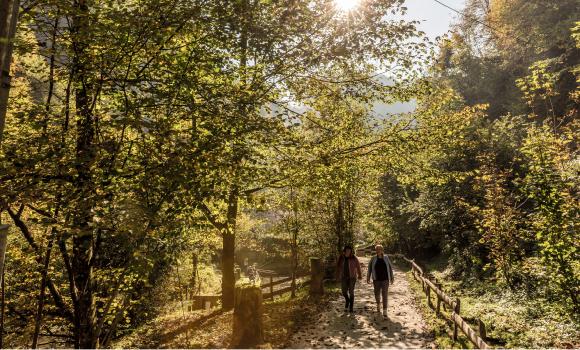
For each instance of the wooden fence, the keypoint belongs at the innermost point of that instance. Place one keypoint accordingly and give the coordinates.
(269, 287)
(268, 291)
(364, 251)
(478, 339)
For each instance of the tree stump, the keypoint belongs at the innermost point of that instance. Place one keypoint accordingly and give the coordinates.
(248, 330)
(316, 277)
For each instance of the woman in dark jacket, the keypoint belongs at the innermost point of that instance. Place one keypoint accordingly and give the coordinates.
(347, 271)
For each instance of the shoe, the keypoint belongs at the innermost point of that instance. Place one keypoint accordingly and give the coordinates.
(351, 306)
(385, 313)
(346, 304)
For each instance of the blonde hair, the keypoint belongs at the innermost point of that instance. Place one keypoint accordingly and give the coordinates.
(379, 246)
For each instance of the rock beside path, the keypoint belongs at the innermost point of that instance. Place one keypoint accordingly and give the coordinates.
(365, 328)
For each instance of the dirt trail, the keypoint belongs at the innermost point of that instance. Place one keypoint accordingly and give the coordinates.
(365, 328)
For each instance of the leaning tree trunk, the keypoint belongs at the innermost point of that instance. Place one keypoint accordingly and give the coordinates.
(8, 17)
(3, 246)
(42, 290)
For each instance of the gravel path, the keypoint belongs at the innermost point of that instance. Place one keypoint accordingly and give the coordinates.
(365, 328)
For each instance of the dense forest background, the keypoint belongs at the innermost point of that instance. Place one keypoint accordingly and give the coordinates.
(151, 148)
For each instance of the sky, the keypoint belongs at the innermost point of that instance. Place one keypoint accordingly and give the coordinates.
(435, 18)
(435, 21)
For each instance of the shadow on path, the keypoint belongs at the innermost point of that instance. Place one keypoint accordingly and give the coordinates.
(165, 337)
(366, 328)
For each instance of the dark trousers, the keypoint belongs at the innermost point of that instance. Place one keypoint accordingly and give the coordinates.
(347, 286)
(381, 288)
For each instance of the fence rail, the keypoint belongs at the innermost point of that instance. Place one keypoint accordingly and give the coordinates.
(478, 339)
(273, 283)
(270, 295)
(208, 301)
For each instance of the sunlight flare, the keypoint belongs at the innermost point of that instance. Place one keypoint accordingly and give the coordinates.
(346, 5)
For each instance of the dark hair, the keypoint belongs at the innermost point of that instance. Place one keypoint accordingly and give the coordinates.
(348, 246)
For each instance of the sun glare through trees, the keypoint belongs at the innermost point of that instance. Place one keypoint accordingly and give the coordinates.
(346, 5)
(239, 174)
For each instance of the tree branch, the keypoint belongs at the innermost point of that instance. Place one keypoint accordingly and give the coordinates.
(56, 295)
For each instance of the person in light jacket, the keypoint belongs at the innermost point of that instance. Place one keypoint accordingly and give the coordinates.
(381, 270)
(347, 271)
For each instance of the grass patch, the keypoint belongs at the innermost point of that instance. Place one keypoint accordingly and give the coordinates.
(198, 329)
(512, 319)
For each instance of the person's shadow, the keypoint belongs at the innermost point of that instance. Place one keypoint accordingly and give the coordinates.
(362, 328)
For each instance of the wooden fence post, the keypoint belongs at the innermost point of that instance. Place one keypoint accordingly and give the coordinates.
(316, 276)
(481, 327)
(442, 298)
(456, 309)
(248, 327)
(271, 288)
(438, 298)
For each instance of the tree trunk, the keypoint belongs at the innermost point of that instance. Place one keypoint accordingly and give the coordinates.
(85, 306)
(339, 224)
(349, 216)
(54, 291)
(294, 243)
(228, 252)
(180, 286)
(294, 263)
(193, 284)
(228, 276)
(3, 246)
(8, 18)
(316, 277)
(2, 307)
(41, 296)
(83, 239)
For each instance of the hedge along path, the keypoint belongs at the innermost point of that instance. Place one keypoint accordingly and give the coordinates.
(365, 328)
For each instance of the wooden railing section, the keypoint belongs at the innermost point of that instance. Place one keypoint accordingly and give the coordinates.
(271, 293)
(268, 291)
(478, 339)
